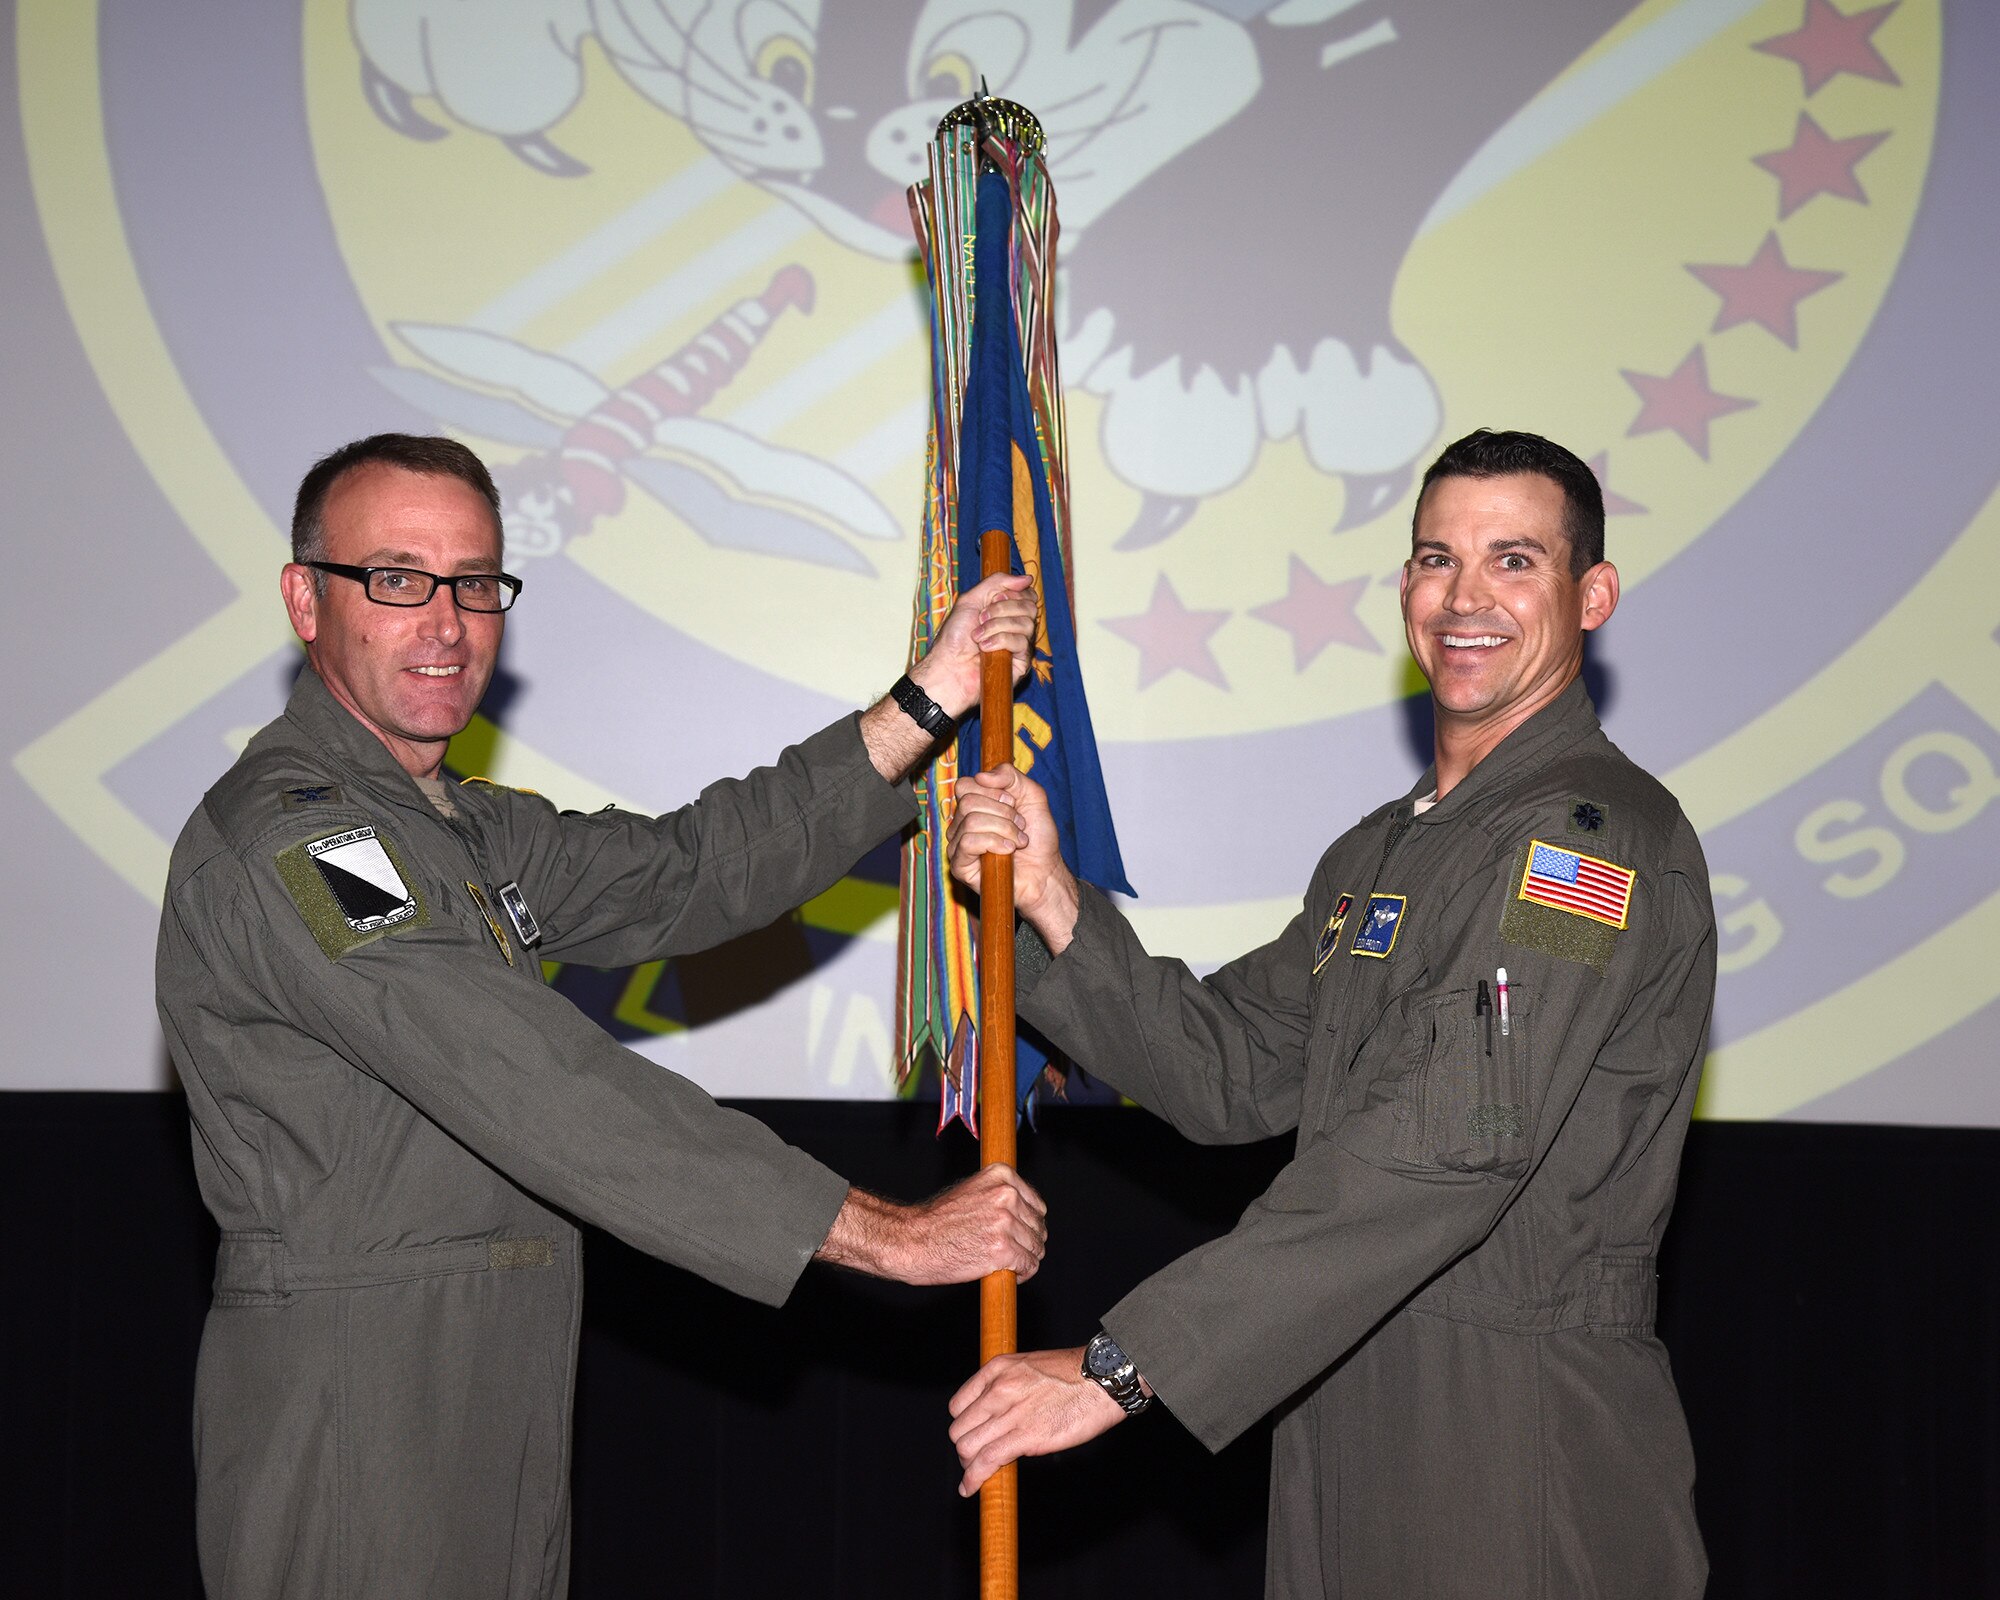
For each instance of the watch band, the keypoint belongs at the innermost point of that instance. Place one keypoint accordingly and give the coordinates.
(921, 709)
(1107, 1366)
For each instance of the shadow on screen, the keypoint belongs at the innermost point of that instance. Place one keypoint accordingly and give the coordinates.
(1420, 726)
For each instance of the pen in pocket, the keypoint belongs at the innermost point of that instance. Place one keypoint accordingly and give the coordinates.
(1482, 1007)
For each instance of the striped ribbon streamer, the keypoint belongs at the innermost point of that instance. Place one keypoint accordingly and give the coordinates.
(937, 982)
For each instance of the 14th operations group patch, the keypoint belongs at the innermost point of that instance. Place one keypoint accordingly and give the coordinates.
(350, 888)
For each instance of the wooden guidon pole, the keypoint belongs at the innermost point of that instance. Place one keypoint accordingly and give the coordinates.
(999, 1499)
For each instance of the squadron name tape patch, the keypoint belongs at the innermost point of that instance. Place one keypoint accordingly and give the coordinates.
(350, 888)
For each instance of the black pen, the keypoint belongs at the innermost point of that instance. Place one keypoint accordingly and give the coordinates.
(1482, 1006)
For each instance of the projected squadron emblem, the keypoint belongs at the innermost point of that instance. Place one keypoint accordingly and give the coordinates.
(651, 258)
(1338, 206)
(1161, 114)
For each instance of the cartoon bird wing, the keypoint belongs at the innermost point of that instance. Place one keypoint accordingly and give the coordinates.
(544, 380)
(731, 524)
(770, 472)
(483, 415)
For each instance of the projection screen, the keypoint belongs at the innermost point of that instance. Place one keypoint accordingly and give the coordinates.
(1738, 255)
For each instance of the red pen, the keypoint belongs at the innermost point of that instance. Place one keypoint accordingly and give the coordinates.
(1500, 977)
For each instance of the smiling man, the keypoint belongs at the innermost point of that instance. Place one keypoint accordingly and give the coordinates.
(1483, 1028)
(395, 1121)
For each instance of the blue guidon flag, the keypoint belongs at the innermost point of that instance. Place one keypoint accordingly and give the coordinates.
(1001, 473)
(1571, 881)
(1002, 477)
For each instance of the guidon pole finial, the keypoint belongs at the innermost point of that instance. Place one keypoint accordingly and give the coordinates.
(997, 119)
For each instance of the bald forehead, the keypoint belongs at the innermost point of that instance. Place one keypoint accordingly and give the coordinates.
(378, 513)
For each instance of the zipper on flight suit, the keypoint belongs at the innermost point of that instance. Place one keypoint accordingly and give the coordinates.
(1397, 829)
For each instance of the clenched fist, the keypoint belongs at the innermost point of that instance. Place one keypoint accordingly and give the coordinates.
(1001, 812)
(990, 1222)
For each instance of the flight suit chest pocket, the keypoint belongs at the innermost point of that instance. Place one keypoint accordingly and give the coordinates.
(1467, 1105)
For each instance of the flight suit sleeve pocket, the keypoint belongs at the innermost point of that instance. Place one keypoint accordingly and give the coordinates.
(1468, 1109)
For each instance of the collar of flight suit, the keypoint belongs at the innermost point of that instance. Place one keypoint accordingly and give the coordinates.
(364, 760)
(1565, 721)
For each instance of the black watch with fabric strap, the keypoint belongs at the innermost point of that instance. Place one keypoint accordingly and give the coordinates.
(1111, 1369)
(921, 709)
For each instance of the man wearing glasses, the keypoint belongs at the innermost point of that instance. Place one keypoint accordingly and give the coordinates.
(394, 1118)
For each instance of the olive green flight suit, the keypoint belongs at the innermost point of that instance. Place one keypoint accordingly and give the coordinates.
(1448, 1294)
(394, 1120)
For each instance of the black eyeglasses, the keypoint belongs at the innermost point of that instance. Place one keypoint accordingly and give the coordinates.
(406, 586)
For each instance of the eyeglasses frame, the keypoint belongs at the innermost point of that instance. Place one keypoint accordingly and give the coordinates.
(362, 575)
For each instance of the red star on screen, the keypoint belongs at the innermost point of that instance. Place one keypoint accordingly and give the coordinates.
(1615, 504)
(1170, 636)
(1765, 290)
(1681, 402)
(1816, 164)
(1829, 42)
(1317, 613)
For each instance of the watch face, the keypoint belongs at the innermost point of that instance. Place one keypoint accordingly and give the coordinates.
(1103, 1358)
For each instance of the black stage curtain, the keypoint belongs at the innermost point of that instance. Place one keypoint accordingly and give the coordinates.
(1831, 1296)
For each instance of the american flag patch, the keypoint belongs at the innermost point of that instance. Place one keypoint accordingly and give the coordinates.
(1570, 881)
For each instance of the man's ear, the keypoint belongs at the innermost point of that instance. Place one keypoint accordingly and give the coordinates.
(299, 587)
(1600, 595)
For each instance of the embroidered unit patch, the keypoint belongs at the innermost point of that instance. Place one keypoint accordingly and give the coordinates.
(1380, 924)
(364, 881)
(1329, 936)
(1583, 885)
(350, 888)
(492, 922)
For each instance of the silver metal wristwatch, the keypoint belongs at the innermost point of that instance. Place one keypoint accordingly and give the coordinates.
(1111, 1369)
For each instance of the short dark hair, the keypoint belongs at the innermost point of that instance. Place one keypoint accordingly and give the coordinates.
(430, 455)
(1485, 453)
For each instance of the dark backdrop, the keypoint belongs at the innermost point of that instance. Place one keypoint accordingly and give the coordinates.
(1831, 1296)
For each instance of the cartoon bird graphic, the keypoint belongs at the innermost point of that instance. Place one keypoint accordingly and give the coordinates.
(1240, 180)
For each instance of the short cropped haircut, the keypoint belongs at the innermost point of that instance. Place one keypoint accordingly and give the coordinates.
(1485, 453)
(433, 457)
